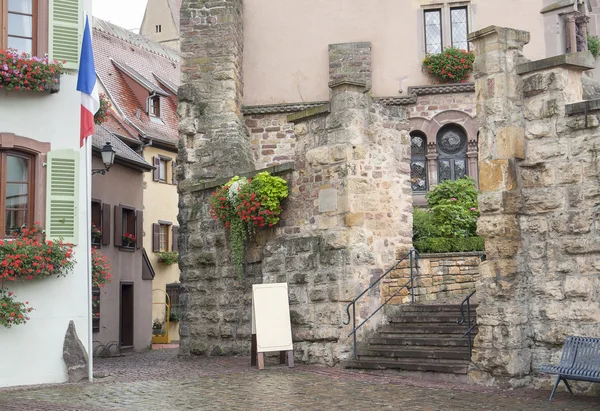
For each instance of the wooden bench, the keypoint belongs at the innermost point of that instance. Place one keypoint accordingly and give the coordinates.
(580, 361)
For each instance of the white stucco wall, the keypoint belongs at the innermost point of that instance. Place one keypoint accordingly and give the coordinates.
(286, 42)
(31, 353)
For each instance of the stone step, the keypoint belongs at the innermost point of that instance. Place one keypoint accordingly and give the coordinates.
(392, 310)
(422, 317)
(433, 353)
(408, 365)
(426, 328)
(439, 340)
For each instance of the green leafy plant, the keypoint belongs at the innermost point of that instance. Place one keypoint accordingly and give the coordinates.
(168, 257)
(29, 257)
(450, 222)
(174, 315)
(25, 72)
(451, 65)
(593, 45)
(102, 114)
(243, 205)
(12, 312)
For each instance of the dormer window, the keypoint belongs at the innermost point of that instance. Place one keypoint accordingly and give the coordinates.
(154, 106)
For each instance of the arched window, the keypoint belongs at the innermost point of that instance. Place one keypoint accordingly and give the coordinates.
(452, 153)
(418, 161)
(17, 186)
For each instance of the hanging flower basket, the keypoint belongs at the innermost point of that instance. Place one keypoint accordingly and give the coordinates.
(243, 205)
(102, 114)
(451, 65)
(100, 269)
(12, 312)
(30, 257)
(25, 72)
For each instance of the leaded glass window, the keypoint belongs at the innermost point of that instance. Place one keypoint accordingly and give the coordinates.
(459, 27)
(452, 153)
(418, 162)
(433, 31)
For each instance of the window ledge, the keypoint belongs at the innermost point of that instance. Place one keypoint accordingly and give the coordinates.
(127, 249)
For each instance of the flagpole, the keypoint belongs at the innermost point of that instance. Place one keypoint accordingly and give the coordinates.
(88, 192)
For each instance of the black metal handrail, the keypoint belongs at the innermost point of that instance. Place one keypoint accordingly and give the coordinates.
(461, 320)
(413, 256)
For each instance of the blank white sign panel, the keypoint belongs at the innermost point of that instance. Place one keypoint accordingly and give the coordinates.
(271, 317)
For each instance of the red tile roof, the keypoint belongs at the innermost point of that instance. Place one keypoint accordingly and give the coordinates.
(148, 66)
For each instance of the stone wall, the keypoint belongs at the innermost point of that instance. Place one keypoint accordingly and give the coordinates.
(539, 180)
(428, 106)
(441, 278)
(350, 62)
(349, 211)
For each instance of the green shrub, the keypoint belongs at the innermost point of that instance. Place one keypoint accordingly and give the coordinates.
(464, 190)
(594, 45)
(449, 245)
(423, 225)
(174, 315)
(450, 222)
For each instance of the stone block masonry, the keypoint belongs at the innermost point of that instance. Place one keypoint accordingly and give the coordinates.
(348, 213)
(539, 210)
(441, 278)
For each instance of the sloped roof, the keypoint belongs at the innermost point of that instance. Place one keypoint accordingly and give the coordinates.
(122, 151)
(117, 53)
(136, 39)
(144, 82)
(175, 6)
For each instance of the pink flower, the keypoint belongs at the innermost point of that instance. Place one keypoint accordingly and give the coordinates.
(473, 209)
(453, 199)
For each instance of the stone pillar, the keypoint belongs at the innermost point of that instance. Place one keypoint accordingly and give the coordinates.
(213, 144)
(472, 159)
(432, 164)
(571, 32)
(502, 345)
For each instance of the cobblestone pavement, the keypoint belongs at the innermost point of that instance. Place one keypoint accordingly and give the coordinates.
(159, 380)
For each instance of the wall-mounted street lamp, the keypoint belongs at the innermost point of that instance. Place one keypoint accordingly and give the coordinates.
(108, 158)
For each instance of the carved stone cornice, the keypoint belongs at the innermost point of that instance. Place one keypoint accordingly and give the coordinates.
(280, 108)
(414, 92)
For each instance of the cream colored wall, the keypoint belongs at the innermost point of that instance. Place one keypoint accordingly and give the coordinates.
(158, 12)
(160, 203)
(286, 42)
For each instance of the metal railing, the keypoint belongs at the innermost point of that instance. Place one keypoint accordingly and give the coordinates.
(413, 256)
(471, 324)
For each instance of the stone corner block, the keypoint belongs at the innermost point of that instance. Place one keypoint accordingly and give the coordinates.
(75, 356)
(503, 35)
(510, 142)
(497, 175)
(573, 61)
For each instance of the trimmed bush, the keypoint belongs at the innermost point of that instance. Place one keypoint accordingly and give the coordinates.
(449, 245)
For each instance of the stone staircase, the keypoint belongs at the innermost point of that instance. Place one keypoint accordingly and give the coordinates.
(419, 338)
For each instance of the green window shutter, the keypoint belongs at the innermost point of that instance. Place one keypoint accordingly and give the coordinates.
(62, 195)
(65, 32)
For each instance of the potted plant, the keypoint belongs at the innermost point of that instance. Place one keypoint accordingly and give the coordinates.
(96, 234)
(102, 113)
(174, 315)
(128, 240)
(168, 257)
(157, 327)
(452, 65)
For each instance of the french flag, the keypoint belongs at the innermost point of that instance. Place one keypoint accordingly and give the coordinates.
(86, 83)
